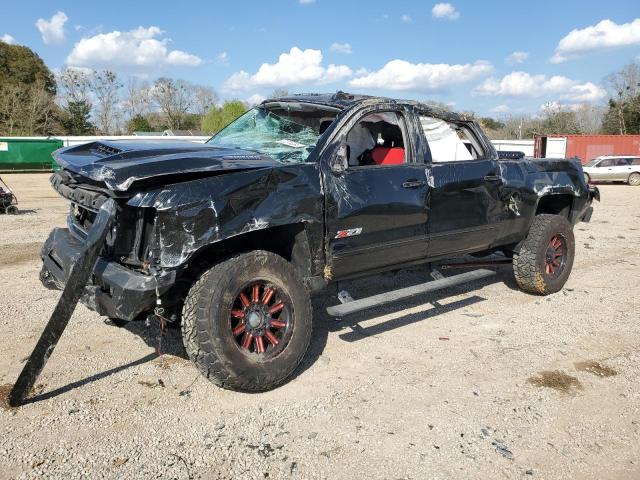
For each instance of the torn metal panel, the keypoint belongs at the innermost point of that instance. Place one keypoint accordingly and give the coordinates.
(79, 274)
(194, 214)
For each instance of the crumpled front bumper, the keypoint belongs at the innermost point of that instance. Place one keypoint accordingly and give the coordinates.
(114, 290)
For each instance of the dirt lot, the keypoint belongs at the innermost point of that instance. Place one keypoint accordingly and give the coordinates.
(481, 381)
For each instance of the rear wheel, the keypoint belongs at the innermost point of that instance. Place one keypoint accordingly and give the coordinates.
(634, 179)
(544, 259)
(12, 210)
(246, 322)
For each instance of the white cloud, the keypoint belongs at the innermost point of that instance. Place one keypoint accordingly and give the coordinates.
(142, 49)
(6, 38)
(501, 109)
(52, 30)
(406, 18)
(445, 10)
(517, 57)
(222, 57)
(423, 77)
(306, 2)
(293, 68)
(602, 36)
(178, 57)
(341, 47)
(255, 99)
(522, 84)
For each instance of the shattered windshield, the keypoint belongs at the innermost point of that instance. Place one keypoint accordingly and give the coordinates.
(279, 136)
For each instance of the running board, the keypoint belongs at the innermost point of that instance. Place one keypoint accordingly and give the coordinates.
(395, 295)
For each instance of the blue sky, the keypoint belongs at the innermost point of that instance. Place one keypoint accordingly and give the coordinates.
(493, 57)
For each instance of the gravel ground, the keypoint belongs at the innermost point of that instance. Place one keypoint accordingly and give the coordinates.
(480, 381)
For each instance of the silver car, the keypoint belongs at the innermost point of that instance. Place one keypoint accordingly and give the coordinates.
(613, 169)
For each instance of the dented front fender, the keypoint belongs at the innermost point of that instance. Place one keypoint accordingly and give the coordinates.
(193, 214)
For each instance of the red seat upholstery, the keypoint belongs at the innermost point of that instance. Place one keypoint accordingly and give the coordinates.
(388, 156)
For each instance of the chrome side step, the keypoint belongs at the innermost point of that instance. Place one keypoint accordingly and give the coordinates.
(354, 306)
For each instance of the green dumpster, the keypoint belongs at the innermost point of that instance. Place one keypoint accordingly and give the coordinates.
(28, 154)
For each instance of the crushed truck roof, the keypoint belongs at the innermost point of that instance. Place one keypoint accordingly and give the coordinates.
(343, 100)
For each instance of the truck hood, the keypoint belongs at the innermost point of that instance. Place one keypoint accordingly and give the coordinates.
(119, 164)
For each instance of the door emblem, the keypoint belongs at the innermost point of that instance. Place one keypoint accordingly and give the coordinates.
(348, 233)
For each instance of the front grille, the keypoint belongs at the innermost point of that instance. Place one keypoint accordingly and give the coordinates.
(80, 220)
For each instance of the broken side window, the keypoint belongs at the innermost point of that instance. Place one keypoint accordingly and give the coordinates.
(377, 139)
(449, 142)
(281, 135)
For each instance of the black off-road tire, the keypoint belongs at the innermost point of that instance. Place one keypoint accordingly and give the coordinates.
(529, 259)
(12, 210)
(206, 317)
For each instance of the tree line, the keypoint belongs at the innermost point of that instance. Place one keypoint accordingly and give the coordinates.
(34, 101)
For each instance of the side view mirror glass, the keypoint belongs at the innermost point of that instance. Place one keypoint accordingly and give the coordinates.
(340, 161)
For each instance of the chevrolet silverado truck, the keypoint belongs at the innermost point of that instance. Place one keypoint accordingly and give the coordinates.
(231, 237)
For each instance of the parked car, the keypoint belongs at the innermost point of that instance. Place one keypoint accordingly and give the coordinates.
(613, 169)
(231, 237)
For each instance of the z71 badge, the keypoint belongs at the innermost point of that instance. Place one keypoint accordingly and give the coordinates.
(348, 233)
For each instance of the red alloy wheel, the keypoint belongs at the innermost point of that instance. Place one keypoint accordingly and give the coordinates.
(261, 319)
(555, 256)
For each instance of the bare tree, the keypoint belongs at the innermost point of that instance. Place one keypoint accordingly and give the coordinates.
(76, 85)
(40, 110)
(589, 117)
(174, 98)
(624, 87)
(625, 83)
(27, 110)
(105, 87)
(558, 118)
(11, 97)
(204, 99)
(138, 98)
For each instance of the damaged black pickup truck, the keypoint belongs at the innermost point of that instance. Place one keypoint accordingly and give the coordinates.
(230, 238)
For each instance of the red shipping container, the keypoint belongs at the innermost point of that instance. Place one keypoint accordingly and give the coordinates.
(585, 147)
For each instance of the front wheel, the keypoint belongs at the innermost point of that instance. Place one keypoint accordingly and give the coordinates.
(544, 259)
(587, 178)
(634, 179)
(246, 323)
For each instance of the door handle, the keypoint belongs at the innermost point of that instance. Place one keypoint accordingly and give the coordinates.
(414, 183)
(492, 178)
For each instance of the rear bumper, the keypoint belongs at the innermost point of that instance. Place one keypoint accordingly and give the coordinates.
(114, 290)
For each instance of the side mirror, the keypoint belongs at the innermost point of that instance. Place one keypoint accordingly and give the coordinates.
(339, 161)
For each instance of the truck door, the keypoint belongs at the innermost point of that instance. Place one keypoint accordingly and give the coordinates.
(466, 211)
(375, 205)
